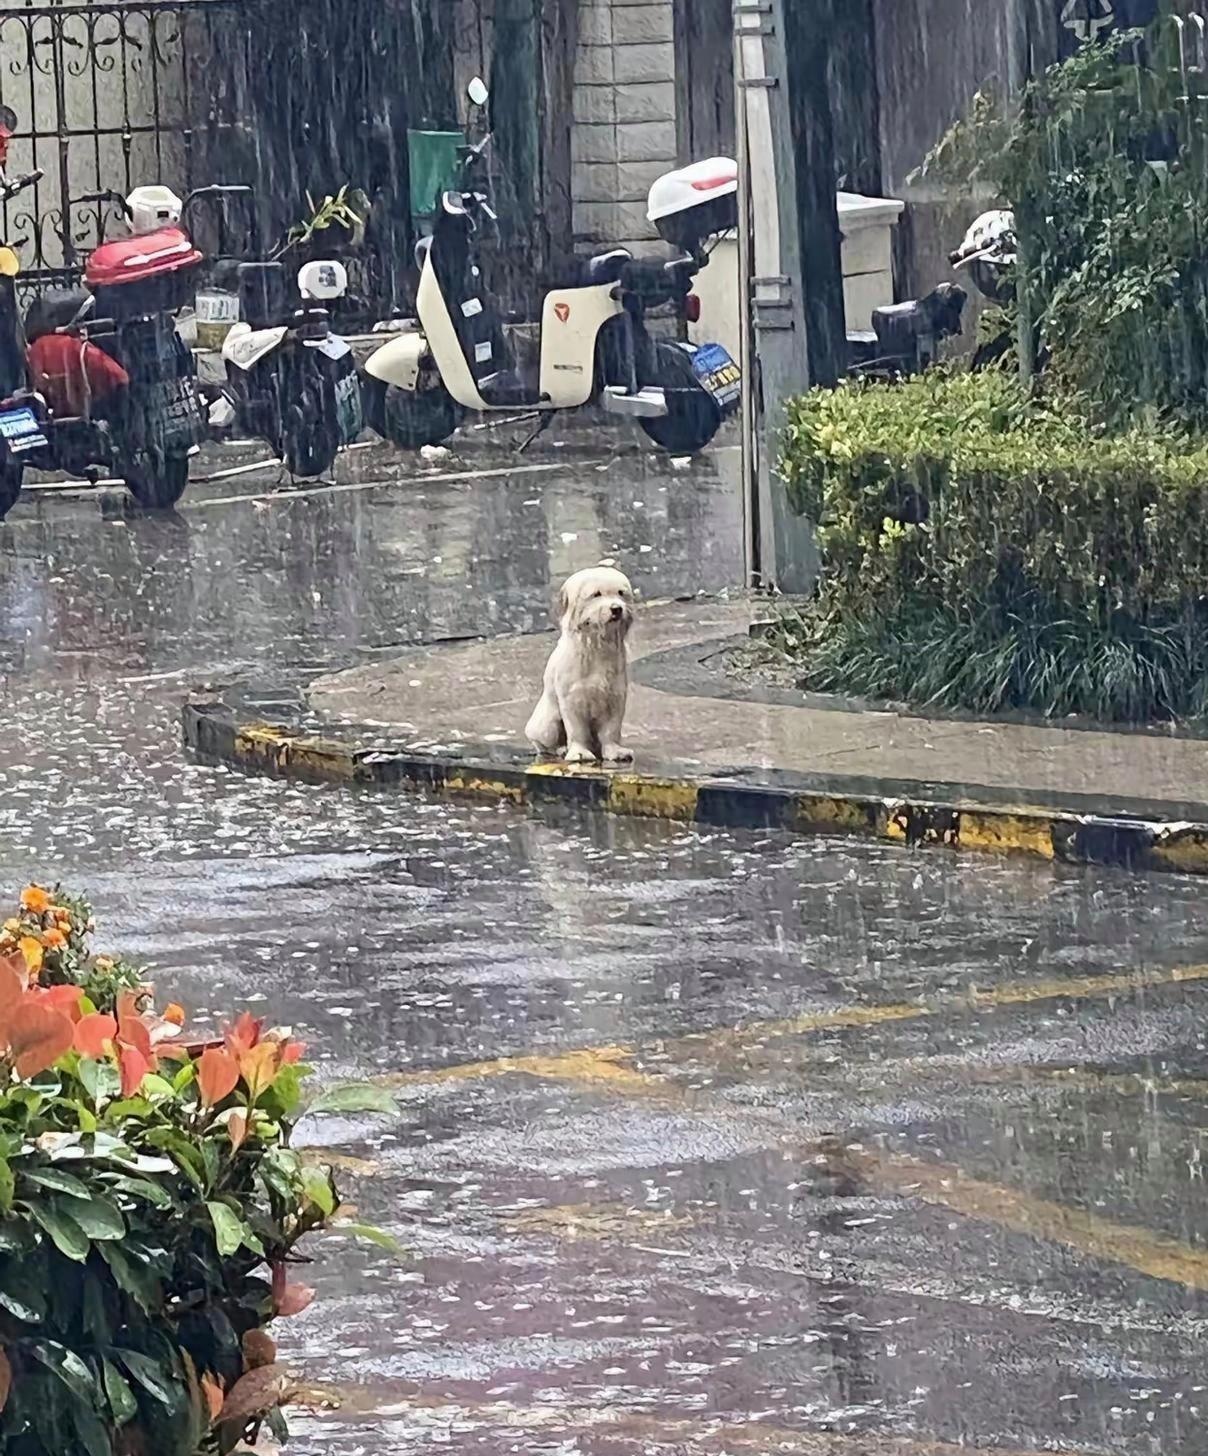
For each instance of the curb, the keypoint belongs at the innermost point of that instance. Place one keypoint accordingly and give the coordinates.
(899, 813)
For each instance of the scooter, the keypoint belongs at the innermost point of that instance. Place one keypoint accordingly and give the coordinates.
(293, 383)
(594, 344)
(110, 385)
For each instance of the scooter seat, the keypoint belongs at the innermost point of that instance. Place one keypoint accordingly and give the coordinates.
(937, 316)
(53, 310)
(600, 268)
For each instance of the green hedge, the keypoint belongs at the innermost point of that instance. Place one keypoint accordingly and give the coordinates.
(987, 553)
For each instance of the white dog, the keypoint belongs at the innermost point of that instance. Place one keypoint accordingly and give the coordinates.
(587, 677)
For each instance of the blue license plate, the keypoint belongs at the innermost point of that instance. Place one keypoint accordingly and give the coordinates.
(719, 374)
(20, 430)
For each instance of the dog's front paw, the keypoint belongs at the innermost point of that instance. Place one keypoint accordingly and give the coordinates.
(576, 753)
(617, 753)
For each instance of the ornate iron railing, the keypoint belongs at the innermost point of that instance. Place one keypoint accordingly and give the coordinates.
(106, 96)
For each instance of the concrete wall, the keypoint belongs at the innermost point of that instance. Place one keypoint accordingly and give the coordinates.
(625, 118)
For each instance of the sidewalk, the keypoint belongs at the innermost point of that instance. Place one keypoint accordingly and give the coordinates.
(708, 746)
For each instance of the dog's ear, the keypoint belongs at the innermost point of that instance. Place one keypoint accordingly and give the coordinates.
(563, 603)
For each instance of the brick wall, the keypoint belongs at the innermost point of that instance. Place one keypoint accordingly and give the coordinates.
(624, 129)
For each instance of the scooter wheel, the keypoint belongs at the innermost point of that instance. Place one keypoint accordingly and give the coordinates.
(410, 418)
(308, 448)
(693, 416)
(12, 473)
(157, 482)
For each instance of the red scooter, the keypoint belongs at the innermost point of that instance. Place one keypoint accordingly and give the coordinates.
(110, 386)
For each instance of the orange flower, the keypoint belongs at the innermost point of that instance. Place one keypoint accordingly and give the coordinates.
(35, 899)
(53, 939)
(175, 1014)
(31, 949)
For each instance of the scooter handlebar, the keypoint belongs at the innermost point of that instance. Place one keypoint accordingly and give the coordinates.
(10, 187)
(108, 196)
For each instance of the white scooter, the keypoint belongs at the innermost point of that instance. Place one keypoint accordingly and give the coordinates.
(594, 344)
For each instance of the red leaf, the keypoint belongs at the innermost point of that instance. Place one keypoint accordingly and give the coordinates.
(259, 1067)
(134, 1033)
(236, 1130)
(293, 1051)
(294, 1299)
(12, 989)
(91, 1034)
(211, 1388)
(133, 1067)
(257, 1393)
(37, 1037)
(61, 998)
(6, 1379)
(217, 1074)
(244, 1035)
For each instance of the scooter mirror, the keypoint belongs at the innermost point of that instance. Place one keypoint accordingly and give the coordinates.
(477, 91)
(8, 119)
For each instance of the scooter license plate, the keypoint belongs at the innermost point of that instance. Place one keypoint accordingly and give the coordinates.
(348, 408)
(718, 373)
(20, 430)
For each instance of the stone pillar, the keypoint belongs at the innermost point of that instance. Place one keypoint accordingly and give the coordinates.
(624, 129)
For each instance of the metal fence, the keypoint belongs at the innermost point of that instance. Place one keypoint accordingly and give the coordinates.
(106, 96)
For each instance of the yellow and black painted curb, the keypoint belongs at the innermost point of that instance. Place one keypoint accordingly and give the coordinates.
(987, 821)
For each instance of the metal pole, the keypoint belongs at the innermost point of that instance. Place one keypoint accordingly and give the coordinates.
(794, 286)
(752, 546)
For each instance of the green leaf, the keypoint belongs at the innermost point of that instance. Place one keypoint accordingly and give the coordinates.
(23, 1288)
(68, 1366)
(6, 1186)
(230, 1230)
(99, 1079)
(143, 1189)
(317, 1189)
(121, 1398)
(16, 1237)
(90, 1430)
(133, 1276)
(148, 1373)
(66, 1235)
(370, 1234)
(99, 1218)
(56, 1179)
(353, 1097)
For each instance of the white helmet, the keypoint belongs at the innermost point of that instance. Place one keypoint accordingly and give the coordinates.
(991, 239)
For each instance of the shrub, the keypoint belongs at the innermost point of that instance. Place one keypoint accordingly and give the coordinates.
(150, 1206)
(1103, 166)
(982, 551)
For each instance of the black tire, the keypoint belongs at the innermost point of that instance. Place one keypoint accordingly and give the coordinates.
(410, 418)
(308, 443)
(157, 482)
(12, 473)
(693, 416)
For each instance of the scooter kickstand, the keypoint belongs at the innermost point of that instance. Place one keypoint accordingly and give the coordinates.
(543, 424)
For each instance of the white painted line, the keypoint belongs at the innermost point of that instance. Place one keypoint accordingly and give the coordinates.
(285, 496)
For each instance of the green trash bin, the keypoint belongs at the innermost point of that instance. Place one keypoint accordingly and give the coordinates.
(432, 157)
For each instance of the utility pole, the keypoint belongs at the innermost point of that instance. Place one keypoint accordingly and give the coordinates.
(792, 273)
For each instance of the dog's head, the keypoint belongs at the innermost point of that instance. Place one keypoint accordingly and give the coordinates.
(598, 600)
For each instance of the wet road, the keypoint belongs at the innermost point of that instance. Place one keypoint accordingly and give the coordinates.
(705, 1142)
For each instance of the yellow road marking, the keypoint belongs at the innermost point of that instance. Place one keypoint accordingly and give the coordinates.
(589, 1065)
(1011, 993)
(1086, 1233)
(612, 1065)
(377, 1403)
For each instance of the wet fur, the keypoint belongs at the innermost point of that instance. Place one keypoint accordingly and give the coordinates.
(582, 706)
